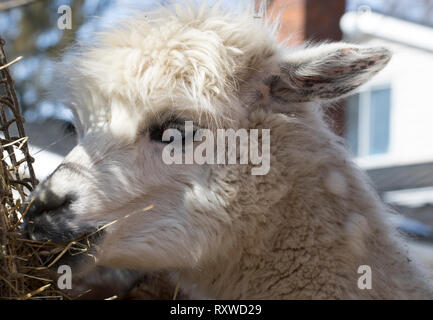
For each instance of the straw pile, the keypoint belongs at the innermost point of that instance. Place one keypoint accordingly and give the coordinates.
(23, 263)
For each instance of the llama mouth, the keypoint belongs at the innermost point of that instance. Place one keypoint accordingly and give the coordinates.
(79, 245)
(45, 228)
(82, 249)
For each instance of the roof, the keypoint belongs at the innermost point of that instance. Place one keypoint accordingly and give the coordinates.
(408, 189)
(402, 177)
(366, 23)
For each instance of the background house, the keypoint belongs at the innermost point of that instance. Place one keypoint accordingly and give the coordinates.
(388, 123)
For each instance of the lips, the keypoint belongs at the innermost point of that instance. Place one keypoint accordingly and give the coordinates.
(78, 246)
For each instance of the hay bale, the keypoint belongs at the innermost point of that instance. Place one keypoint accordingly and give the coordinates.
(23, 263)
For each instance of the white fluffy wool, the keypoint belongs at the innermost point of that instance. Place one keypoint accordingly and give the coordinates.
(288, 234)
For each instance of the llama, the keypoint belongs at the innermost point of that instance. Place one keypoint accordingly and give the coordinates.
(301, 231)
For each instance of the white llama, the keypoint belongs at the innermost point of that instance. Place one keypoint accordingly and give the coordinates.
(300, 231)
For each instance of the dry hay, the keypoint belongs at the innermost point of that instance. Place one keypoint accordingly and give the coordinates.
(23, 263)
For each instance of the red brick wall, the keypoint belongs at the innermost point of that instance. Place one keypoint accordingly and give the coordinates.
(323, 19)
(293, 19)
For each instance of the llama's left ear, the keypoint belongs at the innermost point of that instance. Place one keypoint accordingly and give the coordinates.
(326, 72)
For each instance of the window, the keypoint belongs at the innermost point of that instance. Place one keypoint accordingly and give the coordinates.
(367, 123)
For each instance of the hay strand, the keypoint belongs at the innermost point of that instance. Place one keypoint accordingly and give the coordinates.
(23, 270)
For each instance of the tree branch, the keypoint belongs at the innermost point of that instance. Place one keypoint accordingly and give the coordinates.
(13, 4)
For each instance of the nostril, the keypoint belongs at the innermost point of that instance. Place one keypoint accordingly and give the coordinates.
(47, 204)
(68, 201)
(47, 216)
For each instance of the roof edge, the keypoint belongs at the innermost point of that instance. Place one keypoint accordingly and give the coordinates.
(355, 24)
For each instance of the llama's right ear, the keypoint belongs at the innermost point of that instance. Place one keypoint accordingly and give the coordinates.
(325, 73)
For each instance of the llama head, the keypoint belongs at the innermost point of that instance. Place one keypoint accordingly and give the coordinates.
(220, 70)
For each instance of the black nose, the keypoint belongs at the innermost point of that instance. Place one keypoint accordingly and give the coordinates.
(49, 204)
(47, 216)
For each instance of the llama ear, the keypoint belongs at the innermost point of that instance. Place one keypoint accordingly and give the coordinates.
(326, 72)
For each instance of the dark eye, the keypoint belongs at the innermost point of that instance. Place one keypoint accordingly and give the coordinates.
(156, 131)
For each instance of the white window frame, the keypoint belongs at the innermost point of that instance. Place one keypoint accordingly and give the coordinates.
(364, 110)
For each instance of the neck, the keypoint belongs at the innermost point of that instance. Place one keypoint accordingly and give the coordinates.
(316, 246)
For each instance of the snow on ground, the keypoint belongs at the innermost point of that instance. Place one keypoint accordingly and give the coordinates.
(45, 161)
